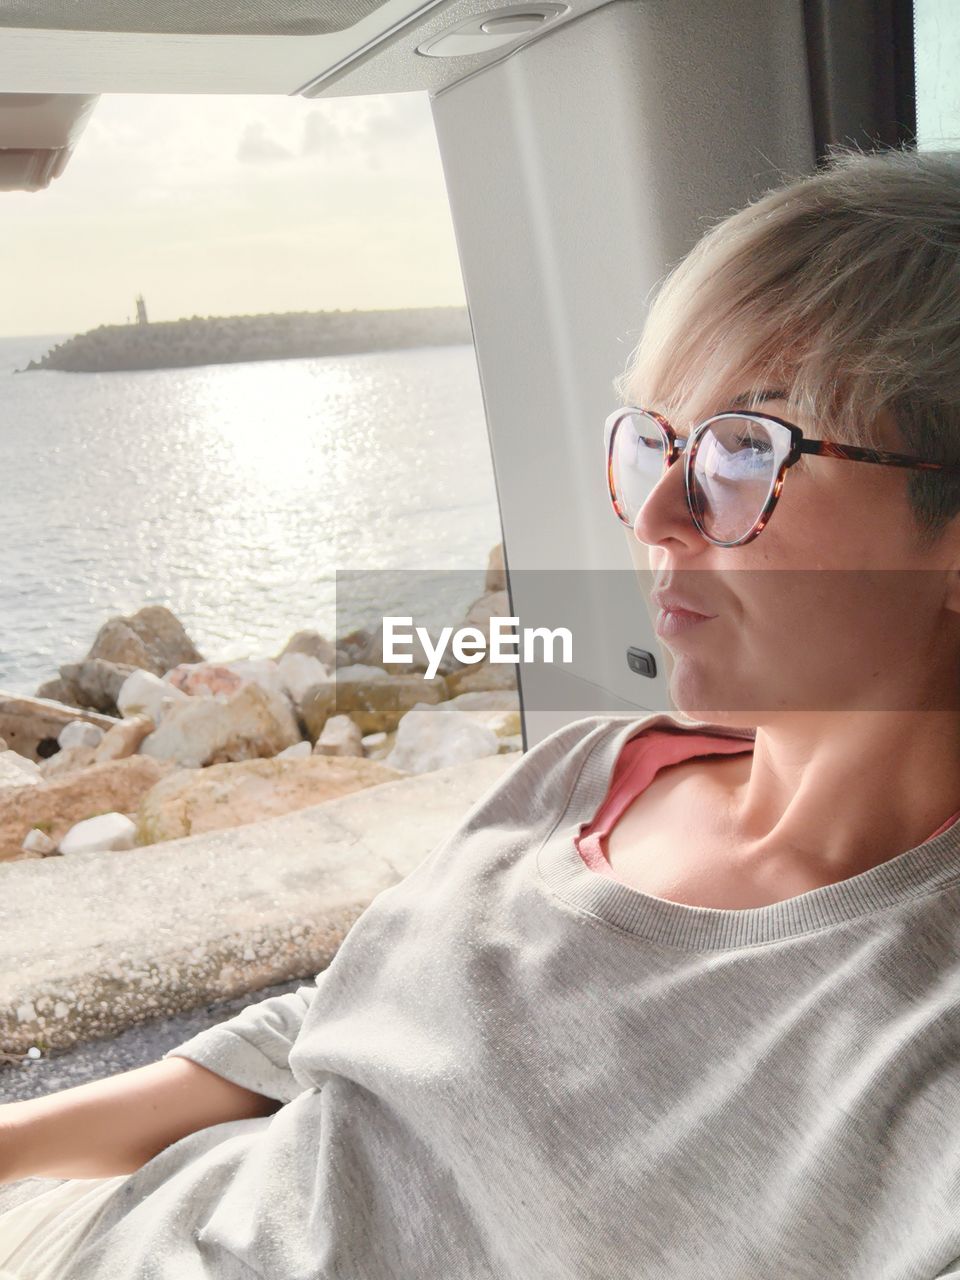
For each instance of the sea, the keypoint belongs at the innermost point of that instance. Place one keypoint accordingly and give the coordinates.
(253, 500)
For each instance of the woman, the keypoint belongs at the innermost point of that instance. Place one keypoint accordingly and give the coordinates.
(677, 998)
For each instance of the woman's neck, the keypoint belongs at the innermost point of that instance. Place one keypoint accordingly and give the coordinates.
(841, 794)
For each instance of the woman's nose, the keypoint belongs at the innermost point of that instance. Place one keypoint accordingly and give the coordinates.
(665, 514)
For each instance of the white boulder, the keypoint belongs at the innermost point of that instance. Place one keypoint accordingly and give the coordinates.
(434, 736)
(80, 733)
(105, 831)
(37, 841)
(299, 672)
(253, 723)
(18, 771)
(144, 694)
(340, 736)
(360, 671)
(262, 671)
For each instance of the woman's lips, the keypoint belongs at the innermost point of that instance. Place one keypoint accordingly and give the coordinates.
(671, 622)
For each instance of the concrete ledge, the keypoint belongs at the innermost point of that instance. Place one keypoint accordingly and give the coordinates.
(95, 943)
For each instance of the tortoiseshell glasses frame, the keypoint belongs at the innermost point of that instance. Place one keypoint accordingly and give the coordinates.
(799, 444)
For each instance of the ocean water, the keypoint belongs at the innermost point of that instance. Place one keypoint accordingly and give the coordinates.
(253, 500)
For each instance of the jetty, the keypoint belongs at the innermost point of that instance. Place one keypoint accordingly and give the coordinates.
(200, 340)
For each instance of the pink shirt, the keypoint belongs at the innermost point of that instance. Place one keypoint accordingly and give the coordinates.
(638, 763)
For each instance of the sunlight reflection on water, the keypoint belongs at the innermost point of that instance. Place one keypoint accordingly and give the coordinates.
(232, 494)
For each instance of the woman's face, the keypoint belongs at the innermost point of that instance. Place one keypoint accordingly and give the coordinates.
(833, 606)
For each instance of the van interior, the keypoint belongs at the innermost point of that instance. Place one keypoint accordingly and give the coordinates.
(585, 144)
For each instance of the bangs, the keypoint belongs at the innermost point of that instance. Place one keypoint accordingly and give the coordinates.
(788, 294)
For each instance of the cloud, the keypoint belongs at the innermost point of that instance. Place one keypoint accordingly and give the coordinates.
(222, 203)
(363, 130)
(320, 132)
(256, 145)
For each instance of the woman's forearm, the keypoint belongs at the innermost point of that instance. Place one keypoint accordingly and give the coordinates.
(113, 1126)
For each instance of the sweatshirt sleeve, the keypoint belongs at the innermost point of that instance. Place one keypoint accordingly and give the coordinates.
(252, 1049)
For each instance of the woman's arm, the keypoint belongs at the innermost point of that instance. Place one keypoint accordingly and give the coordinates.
(253, 1047)
(113, 1126)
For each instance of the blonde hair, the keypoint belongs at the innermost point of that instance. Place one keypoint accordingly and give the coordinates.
(841, 288)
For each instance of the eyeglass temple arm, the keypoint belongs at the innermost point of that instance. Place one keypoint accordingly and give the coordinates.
(855, 453)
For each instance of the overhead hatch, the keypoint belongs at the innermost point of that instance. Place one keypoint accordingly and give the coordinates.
(186, 17)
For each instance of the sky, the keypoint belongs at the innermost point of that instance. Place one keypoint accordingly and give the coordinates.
(233, 205)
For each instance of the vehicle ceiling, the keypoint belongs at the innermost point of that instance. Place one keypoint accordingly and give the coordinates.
(333, 47)
(58, 56)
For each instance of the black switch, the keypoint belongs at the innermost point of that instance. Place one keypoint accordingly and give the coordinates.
(641, 661)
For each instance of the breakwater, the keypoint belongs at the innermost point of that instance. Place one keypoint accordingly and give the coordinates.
(173, 344)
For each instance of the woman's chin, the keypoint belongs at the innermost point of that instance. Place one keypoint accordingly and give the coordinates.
(701, 699)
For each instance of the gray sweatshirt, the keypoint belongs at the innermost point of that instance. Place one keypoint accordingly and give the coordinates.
(518, 1068)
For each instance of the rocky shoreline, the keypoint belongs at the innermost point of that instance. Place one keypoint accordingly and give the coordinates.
(175, 344)
(145, 740)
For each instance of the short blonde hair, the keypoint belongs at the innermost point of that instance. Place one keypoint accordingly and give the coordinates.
(842, 288)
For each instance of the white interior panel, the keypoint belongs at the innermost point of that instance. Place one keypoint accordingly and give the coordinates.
(579, 169)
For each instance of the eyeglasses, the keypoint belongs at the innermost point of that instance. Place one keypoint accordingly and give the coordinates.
(734, 465)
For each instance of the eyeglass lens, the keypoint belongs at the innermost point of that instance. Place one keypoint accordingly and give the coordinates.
(735, 469)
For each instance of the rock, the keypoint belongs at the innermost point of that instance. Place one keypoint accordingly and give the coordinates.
(32, 726)
(68, 761)
(435, 737)
(498, 709)
(106, 831)
(204, 679)
(493, 700)
(340, 737)
(505, 724)
(37, 841)
(79, 733)
(496, 579)
(97, 682)
(377, 746)
(230, 795)
(204, 731)
(124, 739)
(353, 644)
(299, 672)
(372, 704)
(483, 677)
(227, 678)
(261, 671)
(362, 671)
(18, 771)
(493, 604)
(145, 694)
(312, 645)
(114, 786)
(62, 691)
(299, 751)
(152, 639)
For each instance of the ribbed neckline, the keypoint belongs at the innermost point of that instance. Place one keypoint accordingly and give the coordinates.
(930, 866)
